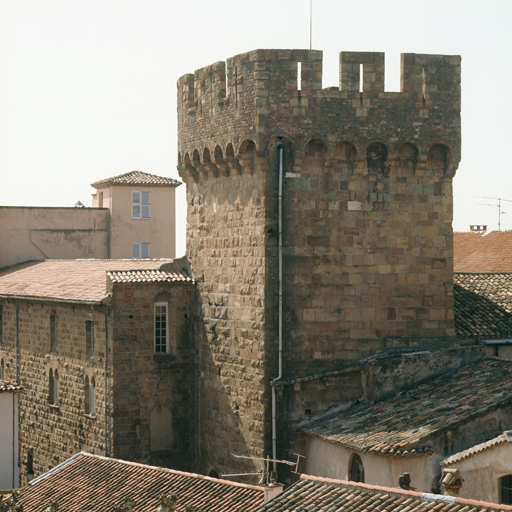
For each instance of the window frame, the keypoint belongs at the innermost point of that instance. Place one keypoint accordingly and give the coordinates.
(53, 387)
(89, 337)
(158, 344)
(505, 484)
(140, 246)
(53, 333)
(141, 204)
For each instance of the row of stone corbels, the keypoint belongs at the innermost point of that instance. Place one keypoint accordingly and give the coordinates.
(438, 157)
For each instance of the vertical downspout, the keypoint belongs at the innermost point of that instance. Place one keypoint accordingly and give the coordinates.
(14, 439)
(280, 309)
(17, 343)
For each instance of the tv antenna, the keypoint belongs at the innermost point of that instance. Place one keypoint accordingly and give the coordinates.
(270, 476)
(497, 206)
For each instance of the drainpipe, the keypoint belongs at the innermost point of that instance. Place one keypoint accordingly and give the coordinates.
(17, 343)
(280, 310)
(13, 438)
(105, 384)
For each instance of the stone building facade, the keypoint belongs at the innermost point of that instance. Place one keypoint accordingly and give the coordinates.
(80, 335)
(361, 222)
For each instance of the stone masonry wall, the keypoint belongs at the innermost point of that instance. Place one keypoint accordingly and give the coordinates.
(153, 403)
(367, 212)
(52, 433)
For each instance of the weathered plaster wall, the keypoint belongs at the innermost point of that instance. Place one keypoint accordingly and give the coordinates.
(36, 233)
(481, 472)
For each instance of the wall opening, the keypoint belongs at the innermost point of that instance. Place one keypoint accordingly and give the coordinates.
(160, 429)
(299, 76)
(356, 469)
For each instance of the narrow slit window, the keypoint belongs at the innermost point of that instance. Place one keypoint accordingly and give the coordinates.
(299, 76)
(360, 78)
(89, 337)
(53, 332)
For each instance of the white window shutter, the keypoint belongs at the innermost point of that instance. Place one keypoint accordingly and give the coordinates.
(136, 204)
(144, 252)
(146, 205)
(135, 251)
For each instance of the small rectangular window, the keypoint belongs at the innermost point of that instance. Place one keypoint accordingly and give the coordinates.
(53, 332)
(161, 344)
(141, 204)
(140, 250)
(89, 337)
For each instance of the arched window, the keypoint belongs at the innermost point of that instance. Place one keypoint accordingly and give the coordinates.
(356, 469)
(506, 489)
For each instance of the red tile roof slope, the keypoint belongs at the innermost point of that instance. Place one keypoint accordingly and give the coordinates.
(482, 252)
(404, 424)
(483, 305)
(137, 178)
(9, 387)
(315, 494)
(74, 280)
(96, 483)
(506, 437)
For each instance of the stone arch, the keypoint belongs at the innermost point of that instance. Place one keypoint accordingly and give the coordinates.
(438, 157)
(218, 155)
(247, 155)
(179, 158)
(376, 157)
(315, 148)
(230, 152)
(160, 429)
(355, 468)
(407, 156)
(188, 169)
(210, 166)
(232, 160)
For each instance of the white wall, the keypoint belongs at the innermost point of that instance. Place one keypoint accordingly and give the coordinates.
(9, 440)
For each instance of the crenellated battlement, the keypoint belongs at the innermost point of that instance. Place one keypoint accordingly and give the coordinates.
(226, 108)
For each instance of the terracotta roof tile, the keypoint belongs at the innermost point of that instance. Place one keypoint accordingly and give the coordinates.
(404, 424)
(482, 252)
(9, 387)
(316, 494)
(506, 437)
(147, 276)
(93, 482)
(80, 280)
(137, 178)
(483, 305)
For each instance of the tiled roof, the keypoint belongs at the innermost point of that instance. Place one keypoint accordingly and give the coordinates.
(137, 178)
(404, 424)
(73, 280)
(92, 482)
(506, 437)
(314, 494)
(482, 252)
(483, 305)
(147, 276)
(9, 387)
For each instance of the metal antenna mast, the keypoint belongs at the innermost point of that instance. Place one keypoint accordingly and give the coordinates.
(498, 206)
(310, 24)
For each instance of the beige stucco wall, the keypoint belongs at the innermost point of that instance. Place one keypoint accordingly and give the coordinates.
(332, 461)
(481, 472)
(37, 233)
(159, 230)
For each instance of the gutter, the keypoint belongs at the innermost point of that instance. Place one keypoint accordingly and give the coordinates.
(59, 301)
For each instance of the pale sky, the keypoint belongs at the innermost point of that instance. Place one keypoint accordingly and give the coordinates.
(88, 87)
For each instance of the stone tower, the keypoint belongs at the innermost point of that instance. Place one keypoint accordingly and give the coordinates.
(365, 239)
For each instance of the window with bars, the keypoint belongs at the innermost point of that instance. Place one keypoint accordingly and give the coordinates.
(141, 204)
(506, 490)
(161, 332)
